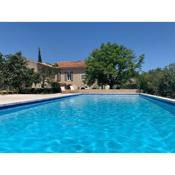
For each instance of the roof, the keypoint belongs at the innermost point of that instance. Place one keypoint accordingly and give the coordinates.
(71, 64)
(44, 64)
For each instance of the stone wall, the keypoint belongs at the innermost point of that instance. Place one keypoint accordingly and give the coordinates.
(109, 91)
(77, 76)
(37, 67)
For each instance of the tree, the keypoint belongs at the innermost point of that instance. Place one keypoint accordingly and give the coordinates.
(17, 75)
(39, 56)
(167, 81)
(2, 70)
(159, 81)
(36, 78)
(112, 64)
(149, 81)
(47, 73)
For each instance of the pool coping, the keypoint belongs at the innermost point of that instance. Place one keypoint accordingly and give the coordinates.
(20, 103)
(110, 94)
(164, 99)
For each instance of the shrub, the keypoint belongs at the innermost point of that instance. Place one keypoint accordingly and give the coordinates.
(40, 90)
(159, 81)
(55, 87)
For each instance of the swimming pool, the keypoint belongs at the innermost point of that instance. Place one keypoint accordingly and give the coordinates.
(89, 124)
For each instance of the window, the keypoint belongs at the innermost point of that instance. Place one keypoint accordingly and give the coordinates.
(83, 76)
(69, 76)
(58, 77)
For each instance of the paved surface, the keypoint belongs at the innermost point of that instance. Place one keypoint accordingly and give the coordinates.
(21, 98)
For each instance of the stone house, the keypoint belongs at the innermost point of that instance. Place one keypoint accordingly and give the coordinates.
(39, 67)
(69, 72)
(72, 73)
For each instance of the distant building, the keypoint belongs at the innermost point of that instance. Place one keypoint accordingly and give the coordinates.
(37, 67)
(69, 72)
(72, 73)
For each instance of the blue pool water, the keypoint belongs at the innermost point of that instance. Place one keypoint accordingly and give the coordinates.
(89, 123)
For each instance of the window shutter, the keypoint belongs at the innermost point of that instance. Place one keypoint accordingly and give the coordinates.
(59, 77)
(65, 77)
(71, 74)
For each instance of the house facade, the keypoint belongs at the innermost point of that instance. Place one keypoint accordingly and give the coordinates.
(69, 72)
(72, 73)
(41, 67)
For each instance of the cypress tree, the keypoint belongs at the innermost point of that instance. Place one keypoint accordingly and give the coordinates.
(39, 56)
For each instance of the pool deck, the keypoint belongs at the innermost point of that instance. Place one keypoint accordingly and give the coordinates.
(14, 99)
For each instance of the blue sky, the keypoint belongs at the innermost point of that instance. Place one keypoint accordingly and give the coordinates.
(75, 41)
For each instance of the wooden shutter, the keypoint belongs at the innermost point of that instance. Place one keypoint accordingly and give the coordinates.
(65, 76)
(71, 75)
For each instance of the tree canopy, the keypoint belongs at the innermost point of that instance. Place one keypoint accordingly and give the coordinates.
(112, 64)
(46, 74)
(149, 81)
(2, 70)
(15, 74)
(159, 81)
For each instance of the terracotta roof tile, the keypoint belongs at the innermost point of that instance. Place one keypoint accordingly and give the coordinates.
(71, 64)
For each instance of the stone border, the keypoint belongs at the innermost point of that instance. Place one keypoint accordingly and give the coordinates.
(21, 103)
(164, 99)
(109, 91)
(110, 94)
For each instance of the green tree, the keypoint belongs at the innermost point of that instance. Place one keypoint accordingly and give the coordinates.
(2, 70)
(149, 81)
(17, 75)
(159, 81)
(112, 64)
(39, 56)
(36, 78)
(167, 81)
(47, 74)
